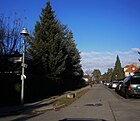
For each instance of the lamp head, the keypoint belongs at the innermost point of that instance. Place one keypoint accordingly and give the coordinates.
(24, 32)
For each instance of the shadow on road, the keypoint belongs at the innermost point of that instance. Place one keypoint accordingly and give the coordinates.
(96, 104)
(82, 119)
(26, 109)
(24, 118)
(38, 105)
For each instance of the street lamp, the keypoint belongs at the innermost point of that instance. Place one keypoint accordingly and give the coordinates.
(24, 32)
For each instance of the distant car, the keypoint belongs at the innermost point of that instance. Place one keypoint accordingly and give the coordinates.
(117, 89)
(131, 86)
(113, 84)
(107, 83)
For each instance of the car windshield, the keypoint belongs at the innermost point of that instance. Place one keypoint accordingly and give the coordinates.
(135, 81)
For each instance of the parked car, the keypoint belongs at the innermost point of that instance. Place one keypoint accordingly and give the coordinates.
(106, 83)
(131, 86)
(117, 89)
(113, 84)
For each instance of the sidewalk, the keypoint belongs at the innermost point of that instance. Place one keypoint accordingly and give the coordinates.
(40, 106)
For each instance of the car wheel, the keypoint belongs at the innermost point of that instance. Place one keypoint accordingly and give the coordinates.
(118, 92)
(135, 96)
(127, 95)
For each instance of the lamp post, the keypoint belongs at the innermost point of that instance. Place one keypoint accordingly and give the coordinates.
(24, 32)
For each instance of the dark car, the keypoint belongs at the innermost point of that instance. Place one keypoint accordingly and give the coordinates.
(131, 87)
(117, 89)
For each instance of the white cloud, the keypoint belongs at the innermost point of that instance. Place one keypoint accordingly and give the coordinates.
(105, 60)
(136, 49)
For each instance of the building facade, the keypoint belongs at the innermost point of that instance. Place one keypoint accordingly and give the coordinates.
(130, 70)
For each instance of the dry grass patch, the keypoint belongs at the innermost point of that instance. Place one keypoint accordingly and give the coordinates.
(67, 101)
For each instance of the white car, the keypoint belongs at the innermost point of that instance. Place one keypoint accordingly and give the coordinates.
(107, 83)
(114, 84)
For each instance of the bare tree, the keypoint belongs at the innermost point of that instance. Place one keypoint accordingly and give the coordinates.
(88, 72)
(10, 39)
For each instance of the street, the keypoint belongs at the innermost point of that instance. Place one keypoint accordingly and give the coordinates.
(99, 104)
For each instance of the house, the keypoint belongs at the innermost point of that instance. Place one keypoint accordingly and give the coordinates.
(86, 78)
(129, 70)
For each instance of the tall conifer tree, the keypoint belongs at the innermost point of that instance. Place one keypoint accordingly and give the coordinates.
(73, 67)
(48, 47)
(74, 56)
(118, 71)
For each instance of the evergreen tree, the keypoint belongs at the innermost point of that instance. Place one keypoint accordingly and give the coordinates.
(138, 53)
(48, 46)
(105, 77)
(109, 74)
(118, 71)
(73, 66)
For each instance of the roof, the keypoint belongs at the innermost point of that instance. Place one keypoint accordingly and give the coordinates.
(126, 66)
(131, 68)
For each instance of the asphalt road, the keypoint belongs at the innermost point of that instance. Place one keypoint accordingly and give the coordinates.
(98, 104)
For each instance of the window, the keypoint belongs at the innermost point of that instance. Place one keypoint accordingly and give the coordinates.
(126, 80)
(135, 81)
(133, 68)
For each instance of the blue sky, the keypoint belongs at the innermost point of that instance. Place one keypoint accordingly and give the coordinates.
(102, 29)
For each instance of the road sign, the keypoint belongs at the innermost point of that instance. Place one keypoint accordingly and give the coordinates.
(23, 76)
(24, 65)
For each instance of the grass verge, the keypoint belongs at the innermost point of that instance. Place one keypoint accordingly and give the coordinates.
(67, 101)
